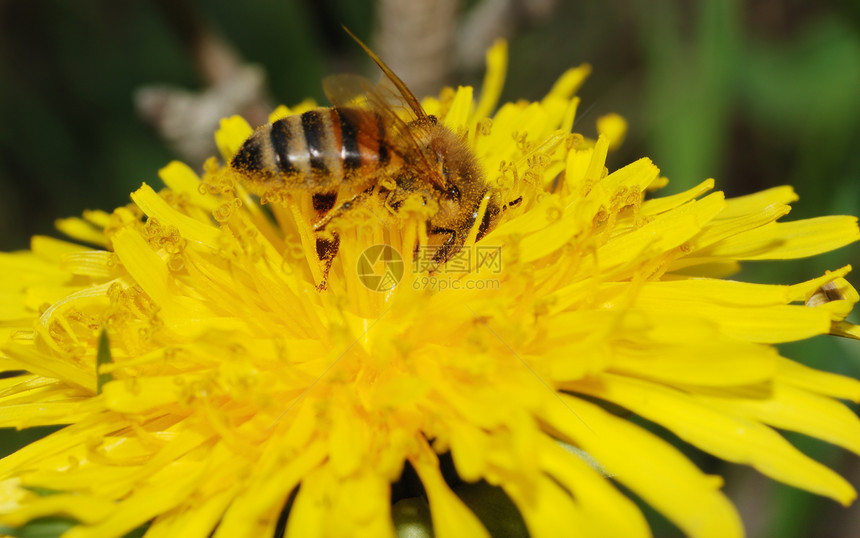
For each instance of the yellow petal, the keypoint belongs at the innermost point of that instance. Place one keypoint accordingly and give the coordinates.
(20, 269)
(269, 490)
(804, 377)
(665, 203)
(347, 443)
(51, 366)
(614, 127)
(147, 268)
(547, 509)
(460, 108)
(81, 230)
(649, 466)
(53, 249)
(97, 217)
(763, 324)
(468, 450)
(759, 201)
(567, 120)
(196, 522)
(494, 80)
(363, 507)
(303, 106)
(451, 518)
(704, 269)
(180, 178)
(790, 408)
(61, 444)
(281, 111)
(721, 228)
(81, 508)
(727, 435)
(307, 517)
(93, 263)
(617, 178)
(665, 232)
(569, 82)
(166, 489)
(707, 363)
(154, 206)
(231, 134)
(140, 394)
(710, 290)
(43, 413)
(788, 240)
(607, 510)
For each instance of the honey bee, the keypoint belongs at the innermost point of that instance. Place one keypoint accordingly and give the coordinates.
(361, 149)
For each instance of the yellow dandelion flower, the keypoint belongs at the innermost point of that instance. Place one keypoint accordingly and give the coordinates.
(207, 385)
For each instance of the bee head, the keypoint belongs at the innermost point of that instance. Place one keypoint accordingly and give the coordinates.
(458, 186)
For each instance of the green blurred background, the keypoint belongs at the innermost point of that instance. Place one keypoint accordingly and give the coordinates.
(754, 94)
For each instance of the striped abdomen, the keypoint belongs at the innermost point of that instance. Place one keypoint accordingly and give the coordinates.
(316, 151)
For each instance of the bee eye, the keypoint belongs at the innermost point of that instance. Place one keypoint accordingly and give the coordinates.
(453, 192)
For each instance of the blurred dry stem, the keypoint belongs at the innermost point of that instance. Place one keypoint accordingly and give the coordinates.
(416, 38)
(186, 119)
(493, 19)
(424, 40)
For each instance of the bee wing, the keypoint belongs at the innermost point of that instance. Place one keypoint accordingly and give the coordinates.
(405, 93)
(355, 91)
(347, 90)
(397, 113)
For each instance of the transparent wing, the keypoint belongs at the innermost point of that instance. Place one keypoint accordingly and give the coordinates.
(407, 96)
(404, 128)
(347, 90)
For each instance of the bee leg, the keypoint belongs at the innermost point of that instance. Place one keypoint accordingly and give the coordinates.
(448, 248)
(328, 243)
(514, 202)
(327, 248)
(323, 202)
(393, 195)
(345, 207)
(390, 205)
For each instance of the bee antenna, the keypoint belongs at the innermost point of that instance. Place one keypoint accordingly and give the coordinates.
(580, 117)
(401, 86)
